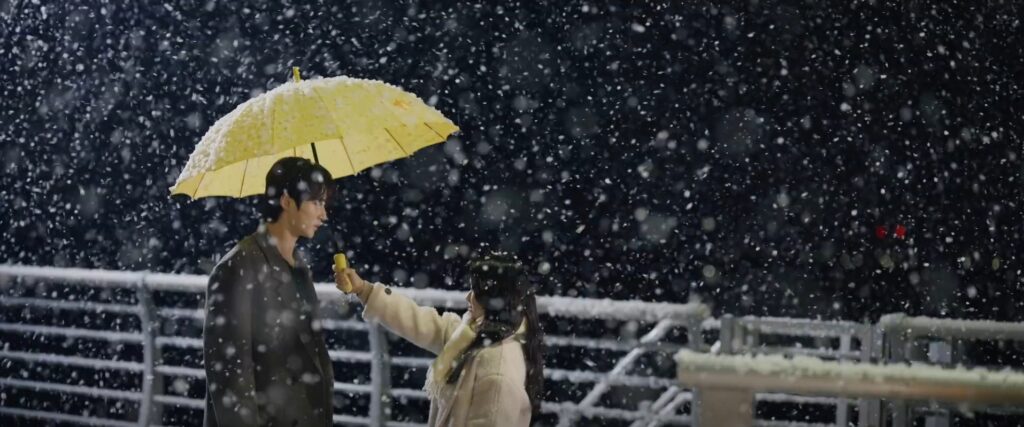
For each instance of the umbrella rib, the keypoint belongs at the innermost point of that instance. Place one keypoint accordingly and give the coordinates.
(273, 121)
(434, 130)
(341, 137)
(400, 147)
(199, 185)
(245, 171)
(344, 146)
(327, 106)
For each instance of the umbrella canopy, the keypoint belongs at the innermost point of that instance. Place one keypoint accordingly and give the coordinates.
(343, 123)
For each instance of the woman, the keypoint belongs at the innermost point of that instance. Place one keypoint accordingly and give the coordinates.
(489, 365)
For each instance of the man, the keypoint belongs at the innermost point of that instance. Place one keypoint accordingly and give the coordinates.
(265, 357)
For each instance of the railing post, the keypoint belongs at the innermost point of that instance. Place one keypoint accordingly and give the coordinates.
(149, 411)
(842, 404)
(872, 349)
(380, 377)
(695, 334)
(897, 346)
(729, 338)
(944, 353)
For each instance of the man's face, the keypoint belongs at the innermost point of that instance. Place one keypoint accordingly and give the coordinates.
(305, 219)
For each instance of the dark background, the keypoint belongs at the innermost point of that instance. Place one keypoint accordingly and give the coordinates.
(743, 153)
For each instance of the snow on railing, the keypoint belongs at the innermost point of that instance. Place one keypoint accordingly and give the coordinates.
(815, 376)
(745, 334)
(737, 335)
(901, 338)
(724, 383)
(151, 398)
(951, 328)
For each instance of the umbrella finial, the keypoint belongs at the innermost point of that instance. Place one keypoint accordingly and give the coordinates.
(295, 75)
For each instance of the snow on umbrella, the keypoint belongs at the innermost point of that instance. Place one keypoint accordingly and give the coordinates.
(345, 124)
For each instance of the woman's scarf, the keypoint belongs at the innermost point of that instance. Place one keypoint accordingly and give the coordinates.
(461, 339)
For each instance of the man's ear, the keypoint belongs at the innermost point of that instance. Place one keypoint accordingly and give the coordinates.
(286, 201)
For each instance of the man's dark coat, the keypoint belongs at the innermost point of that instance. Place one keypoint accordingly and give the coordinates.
(265, 357)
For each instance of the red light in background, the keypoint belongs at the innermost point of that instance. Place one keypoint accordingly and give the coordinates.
(900, 232)
(881, 232)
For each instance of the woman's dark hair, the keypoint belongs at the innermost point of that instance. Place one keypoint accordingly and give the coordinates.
(300, 178)
(500, 284)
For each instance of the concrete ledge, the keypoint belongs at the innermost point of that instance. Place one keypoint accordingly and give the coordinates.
(812, 376)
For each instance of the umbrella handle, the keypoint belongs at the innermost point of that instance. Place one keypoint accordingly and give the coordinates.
(340, 262)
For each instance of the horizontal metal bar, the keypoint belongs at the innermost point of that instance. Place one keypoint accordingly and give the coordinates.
(65, 418)
(179, 342)
(349, 419)
(587, 308)
(787, 423)
(95, 334)
(411, 362)
(188, 342)
(333, 324)
(621, 414)
(792, 398)
(84, 362)
(50, 303)
(826, 353)
(96, 278)
(952, 328)
(349, 356)
(180, 371)
(72, 389)
(550, 373)
(803, 327)
(190, 283)
(609, 344)
(181, 313)
(409, 393)
(598, 343)
(187, 402)
(352, 388)
(615, 380)
(404, 424)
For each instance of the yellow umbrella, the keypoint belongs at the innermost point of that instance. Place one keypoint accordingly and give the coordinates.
(343, 123)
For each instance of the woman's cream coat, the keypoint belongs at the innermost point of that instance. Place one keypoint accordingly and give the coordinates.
(492, 388)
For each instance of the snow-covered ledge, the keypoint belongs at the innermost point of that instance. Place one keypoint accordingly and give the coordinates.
(809, 375)
(899, 323)
(730, 381)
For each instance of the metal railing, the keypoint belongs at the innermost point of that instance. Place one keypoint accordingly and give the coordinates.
(900, 339)
(20, 290)
(743, 335)
(726, 384)
(147, 333)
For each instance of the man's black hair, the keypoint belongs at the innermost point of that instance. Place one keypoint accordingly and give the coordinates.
(300, 178)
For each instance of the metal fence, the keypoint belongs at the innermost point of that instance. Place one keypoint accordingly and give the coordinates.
(147, 399)
(139, 324)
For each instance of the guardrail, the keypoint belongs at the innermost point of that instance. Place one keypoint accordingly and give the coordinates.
(744, 335)
(900, 339)
(149, 376)
(725, 384)
(138, 326)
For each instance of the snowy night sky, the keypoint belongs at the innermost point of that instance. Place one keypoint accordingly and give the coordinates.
(803, 158)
